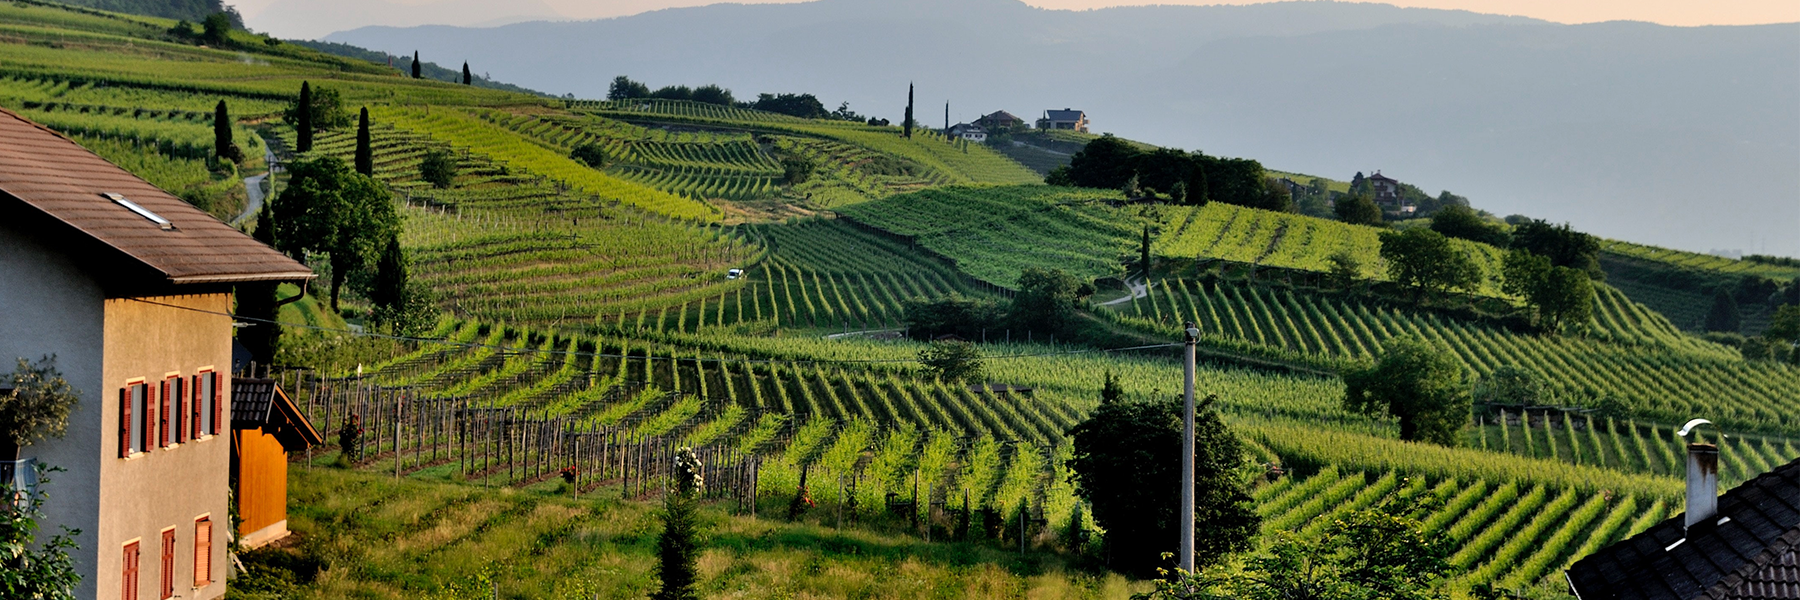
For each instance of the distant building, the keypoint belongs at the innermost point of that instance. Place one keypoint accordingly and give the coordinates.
(1001, 121)
(1067, 119)
(1387, 194)
(973, 133)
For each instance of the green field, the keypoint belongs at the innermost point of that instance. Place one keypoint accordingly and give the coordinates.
(587, 301)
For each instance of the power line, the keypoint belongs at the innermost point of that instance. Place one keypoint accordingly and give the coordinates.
(507, 349)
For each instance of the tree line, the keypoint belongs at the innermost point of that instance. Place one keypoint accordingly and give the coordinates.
(1182, 177)
(805, 106)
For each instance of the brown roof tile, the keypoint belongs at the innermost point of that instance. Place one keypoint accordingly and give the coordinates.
(67, 182)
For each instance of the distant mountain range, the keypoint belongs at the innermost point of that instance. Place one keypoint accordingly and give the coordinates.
(1684, 137)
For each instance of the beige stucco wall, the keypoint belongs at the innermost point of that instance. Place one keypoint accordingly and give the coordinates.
(49, 305)
(142, 495)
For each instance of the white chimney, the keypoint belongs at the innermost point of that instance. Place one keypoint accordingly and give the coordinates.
(1702, 476)
(1702, 483)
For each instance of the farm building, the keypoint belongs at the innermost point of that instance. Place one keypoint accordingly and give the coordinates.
(1000, 121)
(973, 133)
(1739, 546)
(1068, 118)
(1387, 194)
(131, 289)
(266, 428)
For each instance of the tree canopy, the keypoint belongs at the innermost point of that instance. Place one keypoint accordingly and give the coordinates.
(1562, 244)
(1425, 259)
(953, 361)
(1110, 163)
(956, 315)
(1459, 221)
(38, 408)
(1127, 466)
(1563, 297)
(1724, 315)
(1417, 382)
(328, 208)
(324, 111)
(1046, 299)
(1359, 209)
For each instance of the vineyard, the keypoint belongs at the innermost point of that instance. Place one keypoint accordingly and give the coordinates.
(1699, 262)
(1291, 241)
(1633, 357)
(994, 233)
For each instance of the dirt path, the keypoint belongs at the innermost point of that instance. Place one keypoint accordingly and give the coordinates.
(254, 189)
(1139, 289)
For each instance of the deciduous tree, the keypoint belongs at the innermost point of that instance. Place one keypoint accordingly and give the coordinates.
(1359, 209)
(1046, 299)
(328, 208)
(953, 361)
(1459, 221)
(438, 168)
(38, 407)
(1127, 467)
(1425, 259)
(1421, 384)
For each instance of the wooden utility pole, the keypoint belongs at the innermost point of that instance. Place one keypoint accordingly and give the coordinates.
(1187, 452)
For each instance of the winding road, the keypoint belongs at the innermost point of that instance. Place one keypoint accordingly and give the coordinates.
(253, 186)
(1139, 289)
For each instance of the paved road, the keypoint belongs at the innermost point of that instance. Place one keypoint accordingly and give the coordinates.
(1139, 289)
(254, 188)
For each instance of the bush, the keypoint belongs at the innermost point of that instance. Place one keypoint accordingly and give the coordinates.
(438, 168)
(590, 154)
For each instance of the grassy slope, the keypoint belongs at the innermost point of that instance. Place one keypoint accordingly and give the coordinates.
(426, 539)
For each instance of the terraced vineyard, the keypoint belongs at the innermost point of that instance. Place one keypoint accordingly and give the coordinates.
(1623, 445)
(1635, 357)
(700, 165)
(994, 233)
(1700, 262)
(1290, 241)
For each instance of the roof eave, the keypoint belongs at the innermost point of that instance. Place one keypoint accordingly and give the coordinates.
(245, 277)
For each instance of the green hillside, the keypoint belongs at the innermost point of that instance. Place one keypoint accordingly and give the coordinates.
(594, 308)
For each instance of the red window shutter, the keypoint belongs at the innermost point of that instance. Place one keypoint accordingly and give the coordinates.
(162, 415)
(218, 404)
(194, 408)
(129, 577)
(167, 589)
(149, 418)
(125, 421)
(202, 553)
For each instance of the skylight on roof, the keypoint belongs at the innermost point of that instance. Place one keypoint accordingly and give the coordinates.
(141, 211)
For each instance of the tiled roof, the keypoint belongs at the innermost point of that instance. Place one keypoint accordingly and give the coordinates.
(1063, 115)
(51, 174)
(1379, 177)
(260, 403)
(1002, 116)
(1745, 552)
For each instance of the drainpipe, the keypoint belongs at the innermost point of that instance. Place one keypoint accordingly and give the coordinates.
(1702, 478)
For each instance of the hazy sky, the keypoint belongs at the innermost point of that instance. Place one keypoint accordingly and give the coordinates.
(477, 12)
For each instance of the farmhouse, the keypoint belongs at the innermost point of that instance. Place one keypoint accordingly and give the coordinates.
(130, 288)
(1000, 121)
(1387, 194)
(973, 133)
(1069, 119)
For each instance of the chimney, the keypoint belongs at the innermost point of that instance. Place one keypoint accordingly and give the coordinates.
(1702, 483)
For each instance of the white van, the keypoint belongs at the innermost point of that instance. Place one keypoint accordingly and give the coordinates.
(734, 273)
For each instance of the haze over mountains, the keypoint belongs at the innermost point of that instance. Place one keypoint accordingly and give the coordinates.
(1684, 137)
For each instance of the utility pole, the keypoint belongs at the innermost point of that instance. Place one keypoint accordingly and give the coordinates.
(1187, 453)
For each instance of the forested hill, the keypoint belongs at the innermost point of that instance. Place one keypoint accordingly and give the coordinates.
(189, 10)
(1565, 122)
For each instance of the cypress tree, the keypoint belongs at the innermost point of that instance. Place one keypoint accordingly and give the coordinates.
(415, 64)
(223, 145)
(946, 118)
(907, 126)
(365, 155)
(468, 78)
(679, 545)
(389, 293)
(303, 126)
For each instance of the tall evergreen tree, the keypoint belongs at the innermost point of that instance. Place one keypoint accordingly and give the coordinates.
(223, 145)
(468, 78)
(303, 129)
(946, 118)
(365, 154)
(907, 125)
(389, 290)
(415, 65)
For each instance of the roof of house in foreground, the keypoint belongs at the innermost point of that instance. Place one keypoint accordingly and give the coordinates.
(1745, 552)
(57, 177)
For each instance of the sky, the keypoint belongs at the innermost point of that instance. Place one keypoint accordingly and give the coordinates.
(276, 16)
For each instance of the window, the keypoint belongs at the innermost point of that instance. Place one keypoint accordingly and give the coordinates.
(208, 395)
(134, 419)
(166, 588)
(178, 410)
(129, 576)
(195, 403)
(202, 552)
(162, 437)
